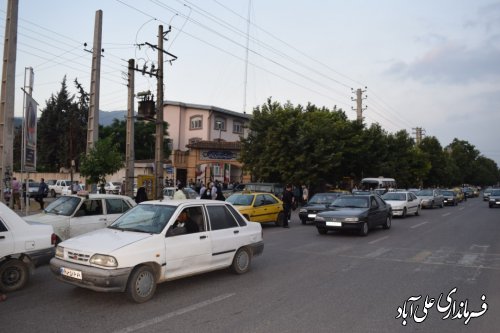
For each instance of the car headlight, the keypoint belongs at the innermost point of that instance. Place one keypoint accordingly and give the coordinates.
(60, 252)
(103, 260)
(351, 219)
(319, 219)
(303, 210)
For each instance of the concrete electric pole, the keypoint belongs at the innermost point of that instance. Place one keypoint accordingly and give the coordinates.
(93, 121)
(359, 103)
(7, 96)
(130, 152)
(159, 119)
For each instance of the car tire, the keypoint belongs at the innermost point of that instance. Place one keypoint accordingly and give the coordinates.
(417, 213)
(14, 275)
(141, 284)
(404, 213)
(442, 205)
(363, 231)
(52, 193)
(322, 231)
(303, 221)
(280, 220)
(241, 261)
(388, 222)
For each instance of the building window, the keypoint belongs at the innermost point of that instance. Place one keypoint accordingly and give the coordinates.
(237, 127)
(196, 122)
(220, 124)
(216, 170)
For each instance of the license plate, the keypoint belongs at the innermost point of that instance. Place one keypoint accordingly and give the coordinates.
(311, 216)
(71, 273)
(334, 224)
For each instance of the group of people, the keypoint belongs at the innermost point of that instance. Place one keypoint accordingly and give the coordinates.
(43, 190)
(212, 192)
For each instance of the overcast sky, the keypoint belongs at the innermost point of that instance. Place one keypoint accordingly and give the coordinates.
(433, 64)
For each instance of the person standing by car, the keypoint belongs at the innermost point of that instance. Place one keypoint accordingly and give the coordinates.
(43, 189)
(141, 195)
(16, 192)
(305, 194)
(179, 194)
(288, 200)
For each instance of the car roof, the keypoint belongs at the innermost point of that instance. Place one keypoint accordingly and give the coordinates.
(180, 202)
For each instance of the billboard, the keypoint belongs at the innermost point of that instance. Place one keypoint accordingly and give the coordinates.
(30, 122)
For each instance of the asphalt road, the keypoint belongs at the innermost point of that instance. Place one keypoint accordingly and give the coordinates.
(305, 282)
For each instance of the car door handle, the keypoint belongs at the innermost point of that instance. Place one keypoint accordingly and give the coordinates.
(103, 219)
(2, 237)
(236, 231)
(203, 237)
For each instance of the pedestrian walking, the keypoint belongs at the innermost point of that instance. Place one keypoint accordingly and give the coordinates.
(179, 194)
(141, 195)
(288, 201)
(16, 192)
(43, 189)
(305, 194)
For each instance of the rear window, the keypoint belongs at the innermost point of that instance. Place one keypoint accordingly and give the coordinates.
(221, 218)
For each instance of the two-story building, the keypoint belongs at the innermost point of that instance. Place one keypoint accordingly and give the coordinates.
(205, 143)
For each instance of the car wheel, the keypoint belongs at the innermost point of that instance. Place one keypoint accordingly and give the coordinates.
(442, 205)
(364, 229)
(417, 213)
(404, 213)
(388, 222)
(322, 231)
(303, 221)
(141, 285)
(52, 193)
(14, 275)
(241, 261)
(280, 219)
(432, 204)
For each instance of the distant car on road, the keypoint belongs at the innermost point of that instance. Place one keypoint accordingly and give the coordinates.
(450, 197)
(431, 198)
(355, 212)
(487, 193)
(494, 200)
(403, 203)
(258, 207)
(113, 187)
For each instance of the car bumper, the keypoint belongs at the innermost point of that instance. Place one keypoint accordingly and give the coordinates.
(449, 202)
(93, 278)
(339, 225)
(426, 204)
(397, 212)
(307, 217)
(42, 257)
(257, 248)
(494, 203)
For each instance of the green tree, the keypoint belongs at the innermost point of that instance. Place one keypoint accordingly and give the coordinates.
(144, 138)
(104, 159)
(463, 155)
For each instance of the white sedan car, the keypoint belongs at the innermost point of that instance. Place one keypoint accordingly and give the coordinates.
(158, 241)
(403, 203)
(73, 215)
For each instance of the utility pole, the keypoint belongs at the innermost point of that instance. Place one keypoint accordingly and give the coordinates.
(419, 133)
(159, 119)
(130, 153)
(7, 96)
(93, 121)
(359, 103)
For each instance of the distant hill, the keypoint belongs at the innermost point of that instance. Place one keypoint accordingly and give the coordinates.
(105, 118)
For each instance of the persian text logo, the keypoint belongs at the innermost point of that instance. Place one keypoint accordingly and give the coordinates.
(449, 308)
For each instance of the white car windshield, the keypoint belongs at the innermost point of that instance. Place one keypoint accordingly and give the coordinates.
(394, 196)
(351, 202)
(241, 199)
(145, 218)
(323, 199)
(63, 206)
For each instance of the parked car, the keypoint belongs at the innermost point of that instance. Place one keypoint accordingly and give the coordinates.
(450, 197)
(113, 187)
(23, 246)
(487, 193)
(258, 207)
(32, 190)
(70, 189)
(147, 245)
(355, 212)
(318, 203)
(494, 200)
(431, 198)
(274, 188)
(403, 203)
(73, 215)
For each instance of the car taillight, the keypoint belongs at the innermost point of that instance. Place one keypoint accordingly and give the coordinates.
(53, 239)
